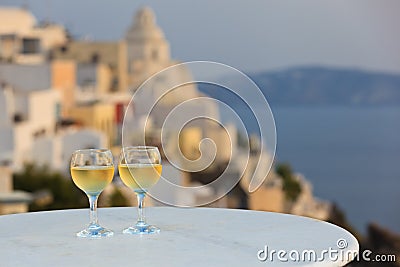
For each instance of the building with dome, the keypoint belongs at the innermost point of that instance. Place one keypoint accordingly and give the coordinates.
(93, 81)
(147, 49)
(142, 52)
(23, 40)
(16, 21)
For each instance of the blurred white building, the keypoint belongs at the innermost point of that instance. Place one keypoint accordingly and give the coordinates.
(307, 204)
(55, 151)
(23, 41)
(29, 112)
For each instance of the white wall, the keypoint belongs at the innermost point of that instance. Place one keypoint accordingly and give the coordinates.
(23, 138)
(56, 151)
(25, 78)
(21, 104)
(41, 115)
(6, 143)
(4, 116)
(44, 153)
(38, 107)
(42, 109)
(50, 35)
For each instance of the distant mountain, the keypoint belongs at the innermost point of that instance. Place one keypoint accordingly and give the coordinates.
(321, 86)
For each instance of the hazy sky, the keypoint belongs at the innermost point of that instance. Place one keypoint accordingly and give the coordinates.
(249, 35)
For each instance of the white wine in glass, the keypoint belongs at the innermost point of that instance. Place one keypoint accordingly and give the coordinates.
(140, 168)
(140, 177)
(92, 170)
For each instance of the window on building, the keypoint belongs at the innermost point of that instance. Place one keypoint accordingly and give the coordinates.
(39, 133)
(114, 84)
(95, 58)
(18, 117)
(58, 111)
(30, 45)
(64, 49)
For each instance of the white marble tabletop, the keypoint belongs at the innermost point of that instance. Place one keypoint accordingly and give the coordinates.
(188, 237)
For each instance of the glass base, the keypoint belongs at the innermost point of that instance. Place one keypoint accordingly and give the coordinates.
(139, 229)
(94, 231)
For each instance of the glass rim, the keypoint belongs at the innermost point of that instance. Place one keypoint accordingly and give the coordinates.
(100, 150)
(139, 148)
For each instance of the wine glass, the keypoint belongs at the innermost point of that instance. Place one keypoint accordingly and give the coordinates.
(92, 170)
(140, 168)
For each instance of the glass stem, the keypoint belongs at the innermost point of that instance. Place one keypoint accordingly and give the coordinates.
(140, 199)
(93, 209)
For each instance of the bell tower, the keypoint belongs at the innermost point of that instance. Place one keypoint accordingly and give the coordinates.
(148, 50)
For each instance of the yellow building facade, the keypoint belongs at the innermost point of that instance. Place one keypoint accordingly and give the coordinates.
(63, 79)
(98, 116)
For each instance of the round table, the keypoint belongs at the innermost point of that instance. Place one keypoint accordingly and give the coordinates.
(188, 237)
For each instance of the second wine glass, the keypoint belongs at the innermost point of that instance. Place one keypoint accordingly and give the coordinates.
(140, 168)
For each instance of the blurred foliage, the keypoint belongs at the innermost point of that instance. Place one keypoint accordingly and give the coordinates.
(291, 186)
(117, 199)
(36, 179)
(338, 217)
